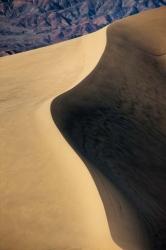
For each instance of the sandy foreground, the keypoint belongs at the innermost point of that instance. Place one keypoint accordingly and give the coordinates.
(49, 199)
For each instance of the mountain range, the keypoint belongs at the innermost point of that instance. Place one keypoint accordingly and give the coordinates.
(30, 24)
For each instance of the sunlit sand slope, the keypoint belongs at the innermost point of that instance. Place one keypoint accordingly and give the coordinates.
(48, 199)
(116, 117)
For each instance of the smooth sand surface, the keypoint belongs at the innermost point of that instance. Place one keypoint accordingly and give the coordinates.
(49, 199)
(146, 31)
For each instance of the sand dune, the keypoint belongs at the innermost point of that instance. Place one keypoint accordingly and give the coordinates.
(49, 199)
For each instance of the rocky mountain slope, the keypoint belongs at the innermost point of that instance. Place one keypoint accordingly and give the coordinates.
(30, 24)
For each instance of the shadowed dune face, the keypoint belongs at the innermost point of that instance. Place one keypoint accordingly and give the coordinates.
(115, 118)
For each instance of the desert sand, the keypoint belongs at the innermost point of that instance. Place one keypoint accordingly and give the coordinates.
(49, 199)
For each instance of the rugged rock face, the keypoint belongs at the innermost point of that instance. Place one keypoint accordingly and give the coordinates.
(25, 25)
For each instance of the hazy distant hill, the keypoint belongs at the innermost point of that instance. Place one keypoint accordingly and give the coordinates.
(30, 24)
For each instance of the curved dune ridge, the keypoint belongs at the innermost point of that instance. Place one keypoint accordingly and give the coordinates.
(116, 117)
(49, 198)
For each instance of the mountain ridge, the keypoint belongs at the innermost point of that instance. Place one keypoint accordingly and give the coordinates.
(31, 24)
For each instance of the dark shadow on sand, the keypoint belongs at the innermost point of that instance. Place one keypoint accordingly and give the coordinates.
(114, 120)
